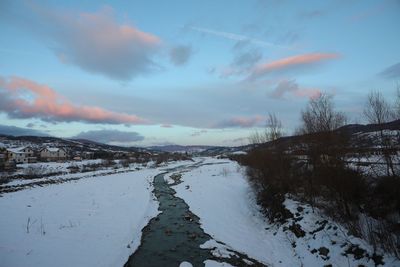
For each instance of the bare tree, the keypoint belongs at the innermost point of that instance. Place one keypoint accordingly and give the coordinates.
(377, 110)
(272, 131)
(320, 116)
(274, 127)
(396, 109)
(257, 138)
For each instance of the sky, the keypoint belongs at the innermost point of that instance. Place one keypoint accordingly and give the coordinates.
(143, 73)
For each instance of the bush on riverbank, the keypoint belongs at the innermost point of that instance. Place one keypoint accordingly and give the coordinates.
(320, 176)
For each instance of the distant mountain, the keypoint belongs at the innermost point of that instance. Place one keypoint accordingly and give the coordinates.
(360, 136)
(360, 128)
(78, 145)
(180, 149)
(18, 131)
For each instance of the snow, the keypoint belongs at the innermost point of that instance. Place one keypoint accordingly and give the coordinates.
(185, 264)
(211, 263)
(221, 196)
(58, 168)
(97, 221)
(217, 249)
(89, 222)
(239, 153)
(51, 167)
(52, 149)
(17, 150)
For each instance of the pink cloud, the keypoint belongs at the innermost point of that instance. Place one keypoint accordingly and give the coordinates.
(240, 121)
(22, 98)
(308, 92)
(290, 62)
(95, 41)
(166, 125)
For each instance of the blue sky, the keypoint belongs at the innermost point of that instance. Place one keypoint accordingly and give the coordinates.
(185, 72)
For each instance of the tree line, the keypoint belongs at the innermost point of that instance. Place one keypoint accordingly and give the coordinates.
(319, 166)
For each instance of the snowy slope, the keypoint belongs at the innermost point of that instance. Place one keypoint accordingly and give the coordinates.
(222, 198)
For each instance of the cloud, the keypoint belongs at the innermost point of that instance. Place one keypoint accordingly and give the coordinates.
(22, 98)
(166, 125)
(241, 122)
(110, 136)
(17, 131)
(197, 133)
(245, 58)
(290, 63)
(311, 14)
(234, 37)
(180, 55)
(372, 11)
(94, 41)
(392, 71)
(291, 87)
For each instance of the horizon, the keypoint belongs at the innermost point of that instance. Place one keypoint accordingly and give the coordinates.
(147, 73)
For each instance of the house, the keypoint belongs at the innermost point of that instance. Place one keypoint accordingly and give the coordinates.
(21, 155)
(53, 154)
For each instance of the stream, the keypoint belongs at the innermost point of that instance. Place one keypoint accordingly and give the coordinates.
(175, 235)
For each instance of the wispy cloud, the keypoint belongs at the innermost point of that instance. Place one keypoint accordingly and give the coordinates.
(289, 63)
(235, 37)
(392, 71)
(110, 136)
(241, 122)
(243, 61)
(22, 98)
(198, 133)
(291, 87)
(373, 11)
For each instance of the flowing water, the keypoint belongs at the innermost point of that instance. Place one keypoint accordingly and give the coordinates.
(175, 235)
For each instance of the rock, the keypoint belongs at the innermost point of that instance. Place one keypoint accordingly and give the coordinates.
(300, 209)
(296, 229)
(323, 251)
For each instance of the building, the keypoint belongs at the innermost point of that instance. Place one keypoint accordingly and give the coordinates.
(21, 155)
(53, 154)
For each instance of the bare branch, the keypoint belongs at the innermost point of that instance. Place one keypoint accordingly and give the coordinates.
(320, 116)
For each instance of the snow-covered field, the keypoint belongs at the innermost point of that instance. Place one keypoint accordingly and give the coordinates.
(97, 221)
(89, 222)
(222, 198)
